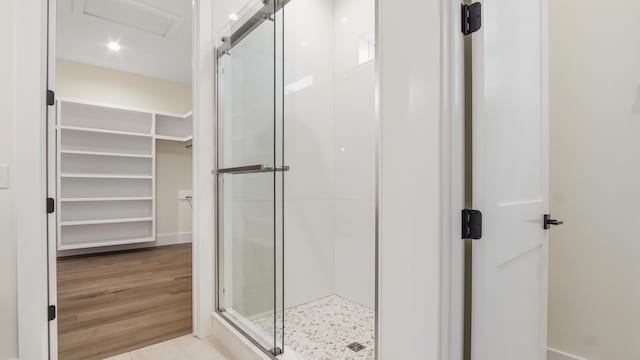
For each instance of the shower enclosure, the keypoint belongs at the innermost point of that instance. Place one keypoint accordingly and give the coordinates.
(296, 176)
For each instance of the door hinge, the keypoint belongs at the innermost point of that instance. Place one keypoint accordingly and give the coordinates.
(471, 17)
(471, 224)
(51, 98)
(51, 205)
(52, 312)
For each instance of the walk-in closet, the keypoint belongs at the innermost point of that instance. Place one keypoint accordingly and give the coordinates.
(121, 151)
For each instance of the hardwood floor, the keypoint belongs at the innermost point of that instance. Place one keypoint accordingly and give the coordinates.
(109, 304)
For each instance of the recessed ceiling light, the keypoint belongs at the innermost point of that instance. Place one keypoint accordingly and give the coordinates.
(234, 17)
(344, 19)
(112, 45)
(304, 44)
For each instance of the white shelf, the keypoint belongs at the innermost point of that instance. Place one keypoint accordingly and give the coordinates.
(176, 128)
(105, 221)
(106, 170)
(99, 153)
(106, 176)
(174, 138)
(103, 131)
(89, 199)
(105, 243)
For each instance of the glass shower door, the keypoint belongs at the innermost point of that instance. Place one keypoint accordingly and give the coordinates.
(249, 176)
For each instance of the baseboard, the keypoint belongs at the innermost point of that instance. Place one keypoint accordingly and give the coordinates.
(172, 239)
(161, 240)
(553, 354)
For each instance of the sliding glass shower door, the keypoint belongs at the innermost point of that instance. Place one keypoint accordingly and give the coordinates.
(249, 174)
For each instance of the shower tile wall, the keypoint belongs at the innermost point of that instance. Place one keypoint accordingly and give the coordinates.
(354, 137)
(330, 146)
(309, 144)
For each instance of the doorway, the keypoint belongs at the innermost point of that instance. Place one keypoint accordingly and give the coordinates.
(121, 166)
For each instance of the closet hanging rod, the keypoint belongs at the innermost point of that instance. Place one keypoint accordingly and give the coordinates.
(263, 14)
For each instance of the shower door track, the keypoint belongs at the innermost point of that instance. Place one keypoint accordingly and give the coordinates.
(262, 15)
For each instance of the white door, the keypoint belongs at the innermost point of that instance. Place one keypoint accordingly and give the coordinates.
(510, 181)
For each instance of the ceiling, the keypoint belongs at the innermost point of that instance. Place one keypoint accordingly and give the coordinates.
(154, 35)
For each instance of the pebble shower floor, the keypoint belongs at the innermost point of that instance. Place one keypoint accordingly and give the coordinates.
(323, 329)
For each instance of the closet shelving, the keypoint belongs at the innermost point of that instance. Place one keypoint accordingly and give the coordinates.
(106, 160)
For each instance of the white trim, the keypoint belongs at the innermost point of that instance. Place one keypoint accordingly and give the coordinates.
(30, 178)
(161, 240)
(103, 243)
(173, 239)
(203, 148)
(409, 306)
(54, 185)
(553, 354)
(452, 183)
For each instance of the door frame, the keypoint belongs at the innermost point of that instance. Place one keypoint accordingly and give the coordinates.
(453, 181)
(34, 23)
(440, 80)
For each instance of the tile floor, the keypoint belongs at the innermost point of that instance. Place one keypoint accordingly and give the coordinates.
(185, 347)
(322, 329)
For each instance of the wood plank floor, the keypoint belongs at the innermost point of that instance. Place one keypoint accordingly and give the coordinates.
(109, 304)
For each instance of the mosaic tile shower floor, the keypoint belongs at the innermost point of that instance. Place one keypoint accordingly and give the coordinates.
(323, 329)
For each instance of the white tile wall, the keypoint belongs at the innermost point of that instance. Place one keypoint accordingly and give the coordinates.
(354, 256)
(329, 137)
(330, 146)
(354, 149)
(309, 143)
(309, 250)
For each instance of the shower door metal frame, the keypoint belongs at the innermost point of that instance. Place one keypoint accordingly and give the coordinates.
(218, 53)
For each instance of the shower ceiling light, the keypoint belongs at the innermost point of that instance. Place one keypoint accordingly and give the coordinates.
(234, 17)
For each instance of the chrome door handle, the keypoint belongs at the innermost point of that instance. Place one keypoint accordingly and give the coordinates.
(548, 221)
(250, 169)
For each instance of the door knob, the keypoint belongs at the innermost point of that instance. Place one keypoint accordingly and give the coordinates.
(548, 221)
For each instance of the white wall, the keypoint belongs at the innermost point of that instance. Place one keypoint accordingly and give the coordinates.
(354, 149)
(309, 150)
(173, 174)
(330, 129)
(594, 297)
(88, 82)
(409, 46)
(83, 81)
(8, 297)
